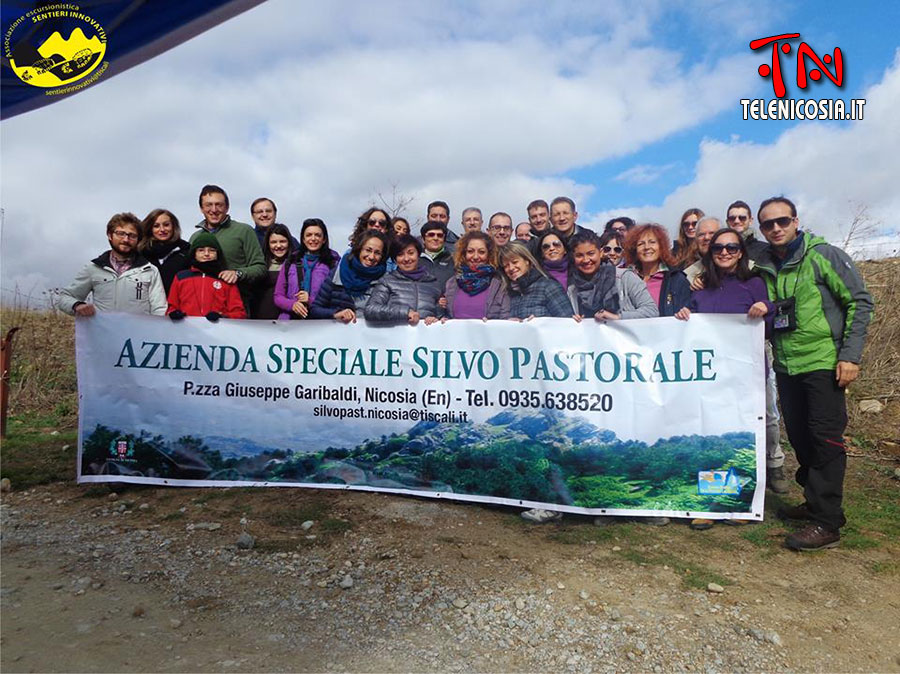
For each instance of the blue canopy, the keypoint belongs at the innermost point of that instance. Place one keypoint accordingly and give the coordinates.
(134, 31)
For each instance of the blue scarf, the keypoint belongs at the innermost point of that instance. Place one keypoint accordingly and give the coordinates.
(309, 261)
(356, 277)
(473, 281)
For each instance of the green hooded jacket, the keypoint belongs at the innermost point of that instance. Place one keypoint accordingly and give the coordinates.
(833, 307)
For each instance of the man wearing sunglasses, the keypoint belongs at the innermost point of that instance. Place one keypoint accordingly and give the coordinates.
(119, 279)
(739, 218)
(822, 313)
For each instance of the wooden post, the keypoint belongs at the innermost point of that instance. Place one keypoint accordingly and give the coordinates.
(5, 360)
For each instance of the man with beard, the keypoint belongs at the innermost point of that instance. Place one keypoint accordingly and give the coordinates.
(118, 279)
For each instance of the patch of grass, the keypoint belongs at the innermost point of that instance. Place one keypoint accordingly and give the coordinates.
(295, 515)
(331, 525)
(276, 545)
(176, 515)
(692, 574)
(887, 567)
(31, 456)
(764, 535)
(213, 494)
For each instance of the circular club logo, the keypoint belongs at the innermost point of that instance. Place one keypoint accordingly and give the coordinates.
(55, 45)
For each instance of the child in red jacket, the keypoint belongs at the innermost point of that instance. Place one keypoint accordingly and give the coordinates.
(199, 291)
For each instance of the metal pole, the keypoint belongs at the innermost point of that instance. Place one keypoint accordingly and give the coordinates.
(5, 360)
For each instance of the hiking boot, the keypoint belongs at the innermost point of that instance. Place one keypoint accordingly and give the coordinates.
(813, 537)
(700, 524)
(797, 512)
(776, 480)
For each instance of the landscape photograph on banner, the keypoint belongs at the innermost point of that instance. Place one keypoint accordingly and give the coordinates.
(612, 419)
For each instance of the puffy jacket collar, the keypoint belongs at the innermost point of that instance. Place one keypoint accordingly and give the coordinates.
(797, 250)
(103, 262)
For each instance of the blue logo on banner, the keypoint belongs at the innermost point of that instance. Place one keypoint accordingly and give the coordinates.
(716, 482)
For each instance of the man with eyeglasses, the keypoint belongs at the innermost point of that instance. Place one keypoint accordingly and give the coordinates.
(119, 279)
(437, 255)
(822, 311)
(740, 219)
(244, 262)
(500, 228)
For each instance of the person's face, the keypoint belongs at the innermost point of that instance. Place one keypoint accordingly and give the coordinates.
(263, 213)
(313, 238)
(472, 221)
(648, 249)
(278, 245)
(563, 217)
(371, 252)
(408, 259)
(705, 231)
(401, 227)
(434, 240)
(206, 254)
(438, 214)
(516, 267)
(523, 231)
(123, 239)
(539, 218)
(612, 251)
(739, 219)
(500, 230)
(587, 258)
(214, 208)
(162, 228)
(378, 220)
(777, 224)
(726, 252)
(689, 225)
(476, 253)
(552, 248)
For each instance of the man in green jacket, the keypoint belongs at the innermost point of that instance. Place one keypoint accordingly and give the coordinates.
(822, 312)
(244, 260)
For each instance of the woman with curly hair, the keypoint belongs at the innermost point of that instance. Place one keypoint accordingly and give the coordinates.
(647, 252)
(477, 290)
(684, 251)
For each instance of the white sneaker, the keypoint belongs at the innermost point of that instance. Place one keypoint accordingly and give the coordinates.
(541, 516)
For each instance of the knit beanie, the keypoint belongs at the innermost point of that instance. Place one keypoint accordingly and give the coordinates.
(206, 240)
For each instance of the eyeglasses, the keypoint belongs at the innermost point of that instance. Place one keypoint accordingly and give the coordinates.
(551, 244)
(373, 222)
(260, 211)
(501, 228)
(612, 249)
(125, 235)
(688, 224)
(782, 222)
(738, 218)
(730, 248)
(434, 235)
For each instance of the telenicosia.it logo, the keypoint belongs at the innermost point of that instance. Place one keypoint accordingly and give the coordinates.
(57, 47)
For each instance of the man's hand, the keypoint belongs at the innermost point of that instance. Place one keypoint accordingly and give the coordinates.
(845, 373)
(229, 276)
(85, 309)
(605, 315)
(413, 317)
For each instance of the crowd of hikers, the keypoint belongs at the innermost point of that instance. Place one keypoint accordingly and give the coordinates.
(809, 294)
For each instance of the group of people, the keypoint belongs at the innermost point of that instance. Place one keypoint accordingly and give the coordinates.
(809, 293)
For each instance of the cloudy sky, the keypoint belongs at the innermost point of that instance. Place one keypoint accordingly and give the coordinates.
(628, 107)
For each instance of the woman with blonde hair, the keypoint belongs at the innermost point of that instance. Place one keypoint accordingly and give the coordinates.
(477, 290)
(531, 293)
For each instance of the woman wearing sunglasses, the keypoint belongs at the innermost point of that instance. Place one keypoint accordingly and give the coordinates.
(684, 251)
(612, 246)
(731, 288)
(554, 257)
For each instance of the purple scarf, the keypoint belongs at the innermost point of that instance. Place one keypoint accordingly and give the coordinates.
(558, 270)
(416, 275)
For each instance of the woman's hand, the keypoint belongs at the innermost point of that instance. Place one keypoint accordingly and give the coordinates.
(302, 296)
(431, 320)
(442, 302)
(346, 316)
(683, 314)
(413, 317)
(758, 310)
(605, 315)
(300, 308)
(698, 283)
(578, 317)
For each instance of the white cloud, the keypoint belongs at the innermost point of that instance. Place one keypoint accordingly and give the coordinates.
(644, 174)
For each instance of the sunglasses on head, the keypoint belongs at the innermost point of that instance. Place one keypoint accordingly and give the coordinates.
(612, 249)
(782, 222)
(738, 218)
(730, 248)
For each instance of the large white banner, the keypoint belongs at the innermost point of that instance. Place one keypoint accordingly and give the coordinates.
(639, 417)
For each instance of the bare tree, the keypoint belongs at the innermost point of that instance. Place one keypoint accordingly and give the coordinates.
(862, 227)
(395, 203)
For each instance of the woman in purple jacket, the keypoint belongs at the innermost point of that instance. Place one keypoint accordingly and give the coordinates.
(477, 290)
(298, 283)
(731, 288)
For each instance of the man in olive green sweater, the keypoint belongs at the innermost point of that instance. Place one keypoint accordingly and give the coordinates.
(243, 257)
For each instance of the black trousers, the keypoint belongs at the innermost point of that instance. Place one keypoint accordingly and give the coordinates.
(814, 410)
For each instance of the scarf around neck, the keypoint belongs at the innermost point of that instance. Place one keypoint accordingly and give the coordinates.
(475, 280)
(416, 274)
(356, 277)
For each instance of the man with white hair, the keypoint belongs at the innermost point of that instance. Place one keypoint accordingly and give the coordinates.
(472, 220)
(706, 227)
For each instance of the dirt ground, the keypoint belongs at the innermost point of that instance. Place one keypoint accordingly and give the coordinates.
(153, 580)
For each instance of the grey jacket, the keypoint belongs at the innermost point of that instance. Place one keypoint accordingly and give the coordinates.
(137, 291)
(497, 300)
(635, 301)
(394, 295)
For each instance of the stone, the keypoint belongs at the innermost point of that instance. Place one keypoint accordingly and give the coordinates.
(870, 406)
(346, 582)
(5, 485)
(175, 623)
(113, 496)
(66, 447)
(138, 612)
(245, 541)
(584, 595)
(715, 588)
(307, 525)
(205, 526)
(144, 506)
(520, 604)
(773, 638)
(897, 473)
(460, 603)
